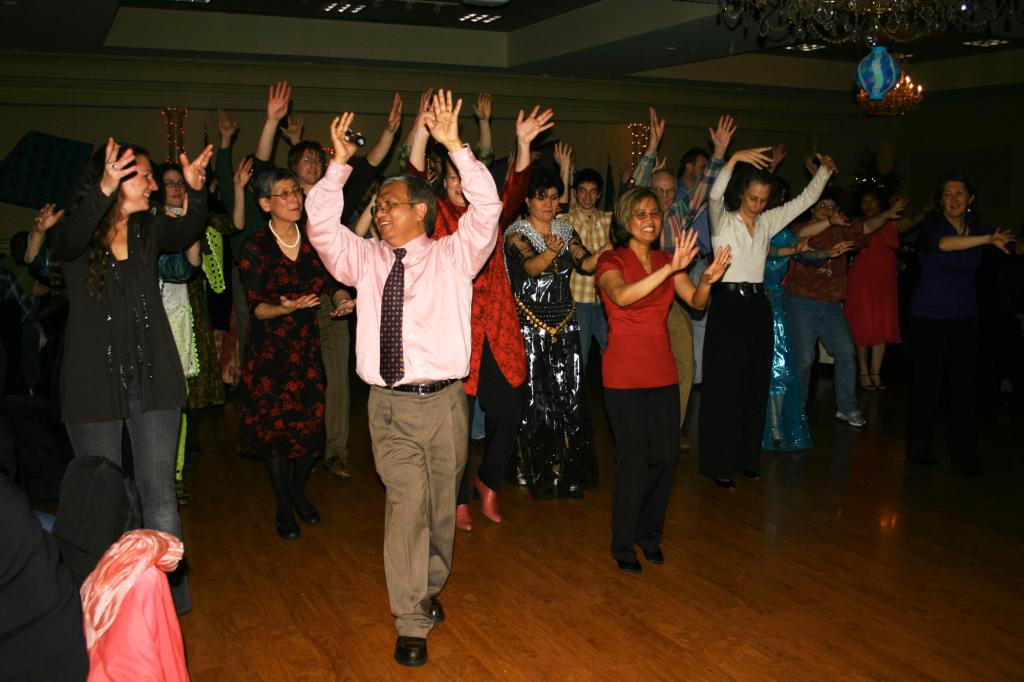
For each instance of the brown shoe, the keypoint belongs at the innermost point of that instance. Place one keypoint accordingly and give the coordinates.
(463, 519)
(336, 467)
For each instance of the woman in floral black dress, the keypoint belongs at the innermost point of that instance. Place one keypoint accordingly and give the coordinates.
(283, 377)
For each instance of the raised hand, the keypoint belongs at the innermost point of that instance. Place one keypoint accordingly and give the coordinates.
(756, 157)
(809, 165)
(1001, 238)
(244, 172)
(828, 163)
(661, 164)
(290, 305)
(195, 170)
(425, 100)
(715, 271)
(778, 154)
(897, 205)
(293, 131)
(529, 127)
(563, 155)
(553, 243)
(115, 167)
(721, 136)
(482, 108)
(686, 250)
(445, 124)
(227, 127)
(278, 98)
(343, 148)
(47, 218)
(394, 114)
(657, 131)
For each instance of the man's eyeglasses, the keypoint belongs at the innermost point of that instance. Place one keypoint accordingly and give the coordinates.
(175, 184)
(644, 215)
(289, 193)
(386, 206)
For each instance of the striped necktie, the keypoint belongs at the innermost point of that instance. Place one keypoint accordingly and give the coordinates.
(392, 364)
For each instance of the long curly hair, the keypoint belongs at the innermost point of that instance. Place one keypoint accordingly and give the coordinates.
(99, 246)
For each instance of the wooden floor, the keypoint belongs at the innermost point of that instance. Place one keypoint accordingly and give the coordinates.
(844, 563)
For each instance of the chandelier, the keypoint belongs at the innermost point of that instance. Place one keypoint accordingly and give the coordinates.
(904, 99)
(873, 21)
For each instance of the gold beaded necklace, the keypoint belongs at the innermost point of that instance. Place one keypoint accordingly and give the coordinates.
(537, 322)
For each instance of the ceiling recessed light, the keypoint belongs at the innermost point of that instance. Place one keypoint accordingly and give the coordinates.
(670, 47)
(805, 47)
(987, 42)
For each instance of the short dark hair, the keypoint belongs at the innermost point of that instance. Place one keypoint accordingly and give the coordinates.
(624, 207)
(691, 156)
(420, 192)
(543, 179)
(263, 185)
(588, 175)
(972, 215)
(299, 150)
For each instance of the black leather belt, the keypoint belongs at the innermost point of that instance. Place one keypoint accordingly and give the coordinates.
(741, 288)
(422, 389)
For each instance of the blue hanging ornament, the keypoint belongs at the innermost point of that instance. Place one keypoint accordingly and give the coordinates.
(878, 72)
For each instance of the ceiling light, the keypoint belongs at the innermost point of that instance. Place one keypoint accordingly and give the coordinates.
(357, 9)
(330, 7)
(467, 17)
(806, 47)
(987, 42)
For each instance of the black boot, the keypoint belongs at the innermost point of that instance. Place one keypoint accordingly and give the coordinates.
(287, 527)
(301, 469)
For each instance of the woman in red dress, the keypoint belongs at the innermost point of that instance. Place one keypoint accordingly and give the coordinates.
(282, 416)
(638, 283)
(872, 309)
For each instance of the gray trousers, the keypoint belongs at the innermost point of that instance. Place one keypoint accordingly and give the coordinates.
(420, 444)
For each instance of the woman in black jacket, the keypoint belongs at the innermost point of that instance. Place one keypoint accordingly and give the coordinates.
(120, 365)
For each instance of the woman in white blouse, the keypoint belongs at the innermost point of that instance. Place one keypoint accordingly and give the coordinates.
(738, 341)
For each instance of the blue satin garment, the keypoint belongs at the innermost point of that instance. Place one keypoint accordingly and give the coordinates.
(785, 427)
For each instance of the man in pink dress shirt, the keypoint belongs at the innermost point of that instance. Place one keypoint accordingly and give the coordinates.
(419, 420)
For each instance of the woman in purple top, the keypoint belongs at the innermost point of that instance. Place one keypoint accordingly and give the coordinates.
(943, 333)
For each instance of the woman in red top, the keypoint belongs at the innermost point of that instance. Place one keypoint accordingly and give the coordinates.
(638, 284)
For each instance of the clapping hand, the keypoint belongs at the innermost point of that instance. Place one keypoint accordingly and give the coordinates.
(803, 246)
(897, 205)
(115, 167)
(716, 270)
(721, 136)
(444, 126)
(278, 98)
(838, 250)
(657, 131)
(1001, 238)
(553, 243)
(343, 148)
(838, 218)
(47, 218)
(686, 250)
(194, 171)
(290, 305)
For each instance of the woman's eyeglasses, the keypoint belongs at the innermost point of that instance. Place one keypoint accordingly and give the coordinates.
(644, 215)
(175, 184)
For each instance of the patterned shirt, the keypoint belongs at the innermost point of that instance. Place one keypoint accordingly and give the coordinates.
(593, 232)
(687, 205)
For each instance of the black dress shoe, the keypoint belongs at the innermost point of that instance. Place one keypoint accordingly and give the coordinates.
(436, 611)
(654, 556)
(630, 565)
(724, 483)
(411, 651)
(288, 530)
(307, 512)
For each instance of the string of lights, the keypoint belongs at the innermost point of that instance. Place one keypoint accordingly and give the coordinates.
(174, 120)
(639, 134)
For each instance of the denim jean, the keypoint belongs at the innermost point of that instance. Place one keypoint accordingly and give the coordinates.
(809, 321)
(593, 323)
(154, 439)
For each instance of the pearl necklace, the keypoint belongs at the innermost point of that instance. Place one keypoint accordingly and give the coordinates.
(298, 236)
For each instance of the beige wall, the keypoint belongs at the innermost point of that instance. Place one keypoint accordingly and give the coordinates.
(89, 98)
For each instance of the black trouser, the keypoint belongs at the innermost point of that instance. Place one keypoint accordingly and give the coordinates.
(645, 424)
(945, 373)
(503, 411)
(737, 369)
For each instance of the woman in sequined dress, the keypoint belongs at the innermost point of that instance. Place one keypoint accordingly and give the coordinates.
(555, 456)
